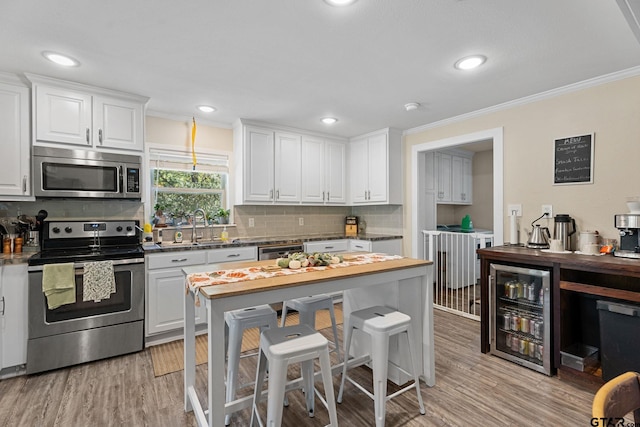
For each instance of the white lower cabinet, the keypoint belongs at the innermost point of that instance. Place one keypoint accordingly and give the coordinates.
(165, 290)
(165, 284)
(13, 315)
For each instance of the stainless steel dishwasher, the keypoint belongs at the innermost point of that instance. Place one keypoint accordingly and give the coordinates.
(279, 250)
(275, 251)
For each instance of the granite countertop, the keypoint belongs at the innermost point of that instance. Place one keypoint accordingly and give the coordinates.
(22, 258)
(261, 241)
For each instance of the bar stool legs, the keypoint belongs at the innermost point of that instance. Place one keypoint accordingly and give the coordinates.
(237, 322)
(381, 323)
(281, 347)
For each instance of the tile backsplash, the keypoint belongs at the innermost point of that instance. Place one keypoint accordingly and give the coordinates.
(269, 221)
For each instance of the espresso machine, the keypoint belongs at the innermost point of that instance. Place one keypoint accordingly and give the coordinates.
(629, 227)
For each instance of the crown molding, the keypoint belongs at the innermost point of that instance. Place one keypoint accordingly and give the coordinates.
(585, 84)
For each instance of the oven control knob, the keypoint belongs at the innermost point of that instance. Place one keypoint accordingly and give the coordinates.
(55, 230)
(129, 228)
(119, 228)
(68, 229)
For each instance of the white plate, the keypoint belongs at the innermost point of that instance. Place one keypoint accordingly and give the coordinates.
(549, 251)
(584, 253)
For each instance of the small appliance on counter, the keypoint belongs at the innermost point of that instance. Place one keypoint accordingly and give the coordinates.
(564, 228)
(539, 237)
(628, 226)
(351, 226)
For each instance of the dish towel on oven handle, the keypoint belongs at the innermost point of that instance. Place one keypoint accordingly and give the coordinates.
(98, 281)
(59, 284)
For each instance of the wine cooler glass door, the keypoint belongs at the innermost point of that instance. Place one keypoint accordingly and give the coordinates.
(520, 315)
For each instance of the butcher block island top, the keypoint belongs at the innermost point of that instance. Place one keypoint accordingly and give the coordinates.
(365, 280)
(229, 279)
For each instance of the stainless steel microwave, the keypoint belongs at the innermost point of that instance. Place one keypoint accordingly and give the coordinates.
(85, 174)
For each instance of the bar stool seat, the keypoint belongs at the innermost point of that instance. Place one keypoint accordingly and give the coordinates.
(380, 323)
(237, 321)
(307, 307)
(281, 347)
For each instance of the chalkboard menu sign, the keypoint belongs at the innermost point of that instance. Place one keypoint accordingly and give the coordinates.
(573, 160)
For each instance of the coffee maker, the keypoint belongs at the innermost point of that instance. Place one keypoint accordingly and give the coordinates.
(629, 227)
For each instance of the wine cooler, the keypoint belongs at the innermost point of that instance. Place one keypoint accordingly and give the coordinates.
(520, 316)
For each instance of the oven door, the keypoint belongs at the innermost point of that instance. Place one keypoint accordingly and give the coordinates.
(125, 305)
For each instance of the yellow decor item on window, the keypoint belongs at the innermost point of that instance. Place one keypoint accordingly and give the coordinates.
(193, 142)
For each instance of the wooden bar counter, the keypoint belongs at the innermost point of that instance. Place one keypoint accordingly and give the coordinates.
(404, 278)
(577, 282)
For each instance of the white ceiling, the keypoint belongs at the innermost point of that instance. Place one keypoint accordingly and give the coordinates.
(291, 62)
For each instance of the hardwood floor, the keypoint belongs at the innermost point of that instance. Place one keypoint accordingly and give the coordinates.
(471, 389)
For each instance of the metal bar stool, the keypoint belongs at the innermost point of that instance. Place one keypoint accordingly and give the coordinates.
(381, 323)
(263, 317)
(281, 347)
(307, 307)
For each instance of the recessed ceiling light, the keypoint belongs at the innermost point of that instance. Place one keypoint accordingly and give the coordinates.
(470, 62)
(206, 108)
(60, 59)
(329, 120)
(411, 106)
(340, 2)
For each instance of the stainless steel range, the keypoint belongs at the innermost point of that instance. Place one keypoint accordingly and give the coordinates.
(83, 331)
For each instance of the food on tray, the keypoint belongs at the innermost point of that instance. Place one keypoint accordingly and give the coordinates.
(302, 259)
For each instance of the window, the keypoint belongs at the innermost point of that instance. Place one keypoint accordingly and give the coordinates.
(178, 190)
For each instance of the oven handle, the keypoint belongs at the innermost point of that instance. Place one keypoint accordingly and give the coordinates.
(116, 262)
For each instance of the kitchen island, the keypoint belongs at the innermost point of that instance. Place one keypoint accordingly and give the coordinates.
(403, 278)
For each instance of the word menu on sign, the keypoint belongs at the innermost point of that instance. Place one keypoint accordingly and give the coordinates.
(573, 160)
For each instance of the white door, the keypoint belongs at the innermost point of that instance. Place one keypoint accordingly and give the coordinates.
(287, 167)
(378, 164)
(335, 172)
(259, 165)
(359, 171)
(443, 163)
(63, 116)
(313, 169)
(166, 290)
(13, 315)
(117, 124)
(14, 141)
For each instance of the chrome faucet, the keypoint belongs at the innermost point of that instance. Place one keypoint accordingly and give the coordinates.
(194, 235)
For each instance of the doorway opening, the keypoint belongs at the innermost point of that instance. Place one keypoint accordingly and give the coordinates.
(429, 210)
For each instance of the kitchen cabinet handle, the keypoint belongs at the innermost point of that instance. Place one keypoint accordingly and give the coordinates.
(359, 246)
(323, 196)
(327, 196)
(100, 136)
(277, 194)
(328, 247)
(24, 184)
(2, 312)
(87, 135)
(369, 194)
(271, 194)
(179, 260)
(233, 255)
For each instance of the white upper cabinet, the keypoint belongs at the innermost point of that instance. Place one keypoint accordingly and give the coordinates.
(270, 170)
(454, 174)
(15, 144)
(376, 168)
(323, 163)
(71, 114)
(281, 166)
(287, 185)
